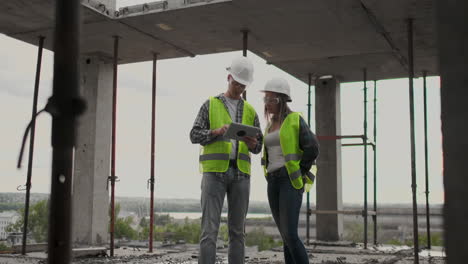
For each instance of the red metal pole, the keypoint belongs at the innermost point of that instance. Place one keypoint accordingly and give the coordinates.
(364, 141)
(413, 140)
(114, 125)
(308, 193)
(153, 142)
(245, 39)
(426, 165)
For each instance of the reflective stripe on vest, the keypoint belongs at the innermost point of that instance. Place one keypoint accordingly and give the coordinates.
(215, 156)
(289, 141)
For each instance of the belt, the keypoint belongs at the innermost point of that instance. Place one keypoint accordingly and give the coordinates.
(276, 173)
(233, 163)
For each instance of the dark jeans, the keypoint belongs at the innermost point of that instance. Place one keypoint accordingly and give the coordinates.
(285, 203)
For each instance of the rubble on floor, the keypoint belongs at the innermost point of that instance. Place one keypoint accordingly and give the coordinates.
(319, 252)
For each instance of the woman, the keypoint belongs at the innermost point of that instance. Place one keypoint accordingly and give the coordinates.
(289, 153)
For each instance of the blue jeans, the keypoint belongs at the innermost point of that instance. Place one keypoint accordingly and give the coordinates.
(285, 203)
(214, 188)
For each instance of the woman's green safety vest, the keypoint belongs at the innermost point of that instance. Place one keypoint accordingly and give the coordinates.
(289, 141)
(215, 156)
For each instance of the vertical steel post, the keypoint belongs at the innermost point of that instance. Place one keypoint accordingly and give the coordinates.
(65, 106)
(374, 217)
(31, 143)
(153, 142)
(308, 194)
(412, 136)
(426, 164)
(245, 38)
(365, 157)
(114, 126)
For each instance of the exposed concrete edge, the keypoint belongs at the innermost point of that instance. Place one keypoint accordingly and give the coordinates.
(146, 8)
(141, 9)
(89, 252)
(76, 252)
(333, 243)
(99, 7)
(30, 248)
(162, 6)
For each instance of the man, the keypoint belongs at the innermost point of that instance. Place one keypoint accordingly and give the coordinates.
(225, 163)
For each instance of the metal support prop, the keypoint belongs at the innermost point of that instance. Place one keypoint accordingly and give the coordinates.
(364, 139)
(114, 126)
(153, 142)
(426, 164)
(338, 137)
(308, 194)
(374, 217)
(358, 144)
(65, 106)
(412, 136)
(31, 143)
(245, 39)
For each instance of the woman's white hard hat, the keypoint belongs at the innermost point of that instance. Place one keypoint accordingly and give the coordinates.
(278, 85)
(241, 70)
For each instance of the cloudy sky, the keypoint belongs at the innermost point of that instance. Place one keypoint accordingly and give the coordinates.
(183, 85)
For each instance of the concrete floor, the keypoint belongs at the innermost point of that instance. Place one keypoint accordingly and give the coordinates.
(188, 254)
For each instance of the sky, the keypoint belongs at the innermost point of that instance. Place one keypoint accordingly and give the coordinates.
(183, 85)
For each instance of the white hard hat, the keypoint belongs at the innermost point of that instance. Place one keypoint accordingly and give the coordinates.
(278, 85)
(241, 70)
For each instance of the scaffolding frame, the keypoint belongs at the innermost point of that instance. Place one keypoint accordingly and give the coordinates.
(365, 212)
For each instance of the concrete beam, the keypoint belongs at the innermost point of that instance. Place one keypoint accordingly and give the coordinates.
(347, 35)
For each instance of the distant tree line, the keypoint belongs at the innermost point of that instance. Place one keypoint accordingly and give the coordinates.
(166, 229)
(11, 206)
(19, 198)
(140, 206)
(37, 222)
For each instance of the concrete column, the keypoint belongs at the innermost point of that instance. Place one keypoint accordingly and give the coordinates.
(92, 155)
(452, 27)
(329, 195)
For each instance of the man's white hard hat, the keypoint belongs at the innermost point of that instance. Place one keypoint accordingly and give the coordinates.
(241, 70)
(278, 85)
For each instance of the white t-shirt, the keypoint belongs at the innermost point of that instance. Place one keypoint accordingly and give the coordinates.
(232, 107)
(275, 154)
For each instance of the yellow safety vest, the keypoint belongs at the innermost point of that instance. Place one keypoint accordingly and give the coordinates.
(289, 141)
(214, 157)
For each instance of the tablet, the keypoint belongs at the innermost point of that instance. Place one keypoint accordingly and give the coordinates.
(237, 131)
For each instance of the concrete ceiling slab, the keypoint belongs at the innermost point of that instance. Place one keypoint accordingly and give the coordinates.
(320, 37)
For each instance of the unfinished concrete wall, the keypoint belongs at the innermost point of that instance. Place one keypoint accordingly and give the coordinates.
(329, 191)
(452, 26)
(92, 155)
